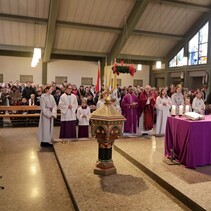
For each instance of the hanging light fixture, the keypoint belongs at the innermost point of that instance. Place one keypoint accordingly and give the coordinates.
(36, 57)
(34, 61)
(139, 67)
(159, 63)
(37, 51)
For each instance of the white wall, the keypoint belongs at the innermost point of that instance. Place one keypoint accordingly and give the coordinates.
(13, 67)
(143, 74)
(74, 70)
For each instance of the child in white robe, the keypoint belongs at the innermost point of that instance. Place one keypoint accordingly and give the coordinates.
(177, 98)
(83, 115)
(198, 104)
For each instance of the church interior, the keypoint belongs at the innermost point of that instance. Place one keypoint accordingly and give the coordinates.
(169, 40)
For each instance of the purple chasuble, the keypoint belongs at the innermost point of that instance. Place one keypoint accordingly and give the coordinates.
(130, 113)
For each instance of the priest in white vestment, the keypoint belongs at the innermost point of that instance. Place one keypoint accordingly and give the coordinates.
(198, 104)
(163, 104)
(68, 105)
(47, 115)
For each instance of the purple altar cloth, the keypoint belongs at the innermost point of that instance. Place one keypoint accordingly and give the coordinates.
(192, 141)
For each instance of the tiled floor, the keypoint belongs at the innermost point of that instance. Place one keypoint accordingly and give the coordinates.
(31, 176)
(129, 189)
(33, 180)
(193, 183)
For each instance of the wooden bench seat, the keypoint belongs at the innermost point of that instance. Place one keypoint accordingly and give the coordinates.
(18, 115)
(22, 115)
(20, 108)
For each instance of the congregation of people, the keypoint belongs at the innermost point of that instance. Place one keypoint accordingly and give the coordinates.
(142, 107)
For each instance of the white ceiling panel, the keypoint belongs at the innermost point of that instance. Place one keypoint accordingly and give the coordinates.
(31, 8)
(167, 19)
(81, 35)
(98, 12)
(22, 34)
(147, 46)
(84, 40)
(200, 2)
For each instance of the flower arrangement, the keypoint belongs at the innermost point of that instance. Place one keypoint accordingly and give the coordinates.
(123, 69)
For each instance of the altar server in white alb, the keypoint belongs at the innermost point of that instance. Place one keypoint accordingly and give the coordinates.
(163, 104)
(68, 105)
(198, 103)
(47, 115)
(177, 98)
(83, 116)
(101, 100)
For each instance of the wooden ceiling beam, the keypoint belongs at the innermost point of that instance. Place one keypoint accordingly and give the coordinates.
(54, 7)
(23, 19)
(183, 4)
(129, 25)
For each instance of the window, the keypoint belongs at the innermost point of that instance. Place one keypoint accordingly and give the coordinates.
(86, 81)
(25, 78)
(197, 47)
(137, 82)
(60, 79)
(177, 60)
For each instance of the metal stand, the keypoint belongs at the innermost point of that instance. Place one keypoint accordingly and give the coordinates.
(171, 161)
(1, 187)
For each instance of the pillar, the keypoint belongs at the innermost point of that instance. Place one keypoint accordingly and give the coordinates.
(44, 73)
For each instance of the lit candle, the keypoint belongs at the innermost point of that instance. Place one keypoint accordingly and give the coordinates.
(187, 108)
(180, 110)
(173, 110)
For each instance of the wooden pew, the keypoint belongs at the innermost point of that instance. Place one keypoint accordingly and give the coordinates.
(15, 110)
(17, 115)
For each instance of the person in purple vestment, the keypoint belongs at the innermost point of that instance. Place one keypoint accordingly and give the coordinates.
(129, 107)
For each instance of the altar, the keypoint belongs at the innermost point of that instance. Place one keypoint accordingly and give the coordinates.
(190, 141)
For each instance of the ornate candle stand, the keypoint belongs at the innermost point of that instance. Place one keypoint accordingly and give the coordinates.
(106, 126)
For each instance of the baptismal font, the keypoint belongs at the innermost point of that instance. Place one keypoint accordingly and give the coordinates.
(106, 126)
